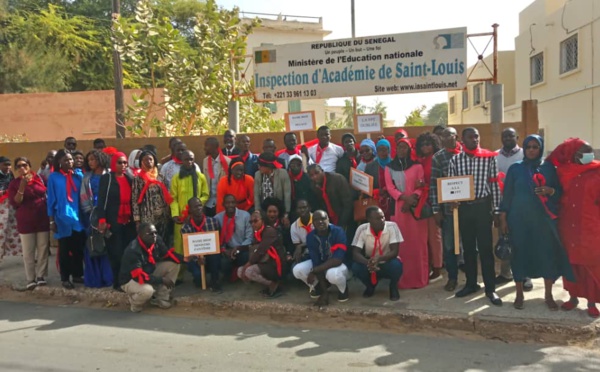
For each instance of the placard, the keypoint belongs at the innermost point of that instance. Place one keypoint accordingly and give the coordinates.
(201, 243)
(361, 181)
(369, 123)
(455, 189)
(300, 121)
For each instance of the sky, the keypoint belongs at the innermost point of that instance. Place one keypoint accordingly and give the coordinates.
(380, 17)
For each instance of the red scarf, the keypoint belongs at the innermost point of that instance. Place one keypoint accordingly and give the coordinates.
(177, 161)
(478, 152)
(539, 180)
(148, 250)
(457, 150)
(201, 227)
(332, 216)
(228, 228)
(568, 172)
(292, 152)
(258, 234)
(293, 180)
(152, 181)
(353, 160)
(70, 183)
(320, 152)
(377, 248)
(211, 171)
(245, 157)
(308, 227)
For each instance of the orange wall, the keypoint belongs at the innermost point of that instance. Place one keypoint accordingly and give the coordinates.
(54, 116)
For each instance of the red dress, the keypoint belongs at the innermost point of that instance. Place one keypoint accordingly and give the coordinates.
(578, 227)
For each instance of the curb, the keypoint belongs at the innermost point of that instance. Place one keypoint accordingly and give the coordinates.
(378, 319)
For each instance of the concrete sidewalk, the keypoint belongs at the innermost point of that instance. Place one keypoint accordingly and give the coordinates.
(427, 309)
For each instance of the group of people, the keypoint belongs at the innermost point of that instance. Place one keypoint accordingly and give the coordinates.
(292, 213)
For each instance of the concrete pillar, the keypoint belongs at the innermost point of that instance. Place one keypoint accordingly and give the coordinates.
(233, 115)
(496, 113)
(529, 117)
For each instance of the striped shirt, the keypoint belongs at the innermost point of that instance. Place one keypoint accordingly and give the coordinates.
(440, 164)
(484, 172)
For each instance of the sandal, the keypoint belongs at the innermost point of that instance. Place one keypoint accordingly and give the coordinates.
(519, 303)
(568, 306)
(593, 312)
(552, 305)
(276, 293)
(68, 285)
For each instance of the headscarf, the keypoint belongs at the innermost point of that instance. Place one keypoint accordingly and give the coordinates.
(403, 164)
(386, 161)
(562, 158)
(115, 157)
(369, 143)
(150, 177)
(533, 163)
(135, 158)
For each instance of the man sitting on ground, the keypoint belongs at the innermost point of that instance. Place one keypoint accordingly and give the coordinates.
(300, 230)
(148, 266)
(327, 249)
(375, 253)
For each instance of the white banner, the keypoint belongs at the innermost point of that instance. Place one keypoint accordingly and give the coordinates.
(388, 64)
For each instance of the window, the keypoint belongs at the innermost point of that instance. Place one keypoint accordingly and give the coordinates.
(477, 94)
(465, 99)
(451, 105)
(271, 106)
(294, 106)
(537, 68)
(332, 116)
(568, 54)
(488, 93)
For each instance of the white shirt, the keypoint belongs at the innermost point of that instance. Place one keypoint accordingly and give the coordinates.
(299, 231)
(331, 154)
(505, 162)
(365, 239)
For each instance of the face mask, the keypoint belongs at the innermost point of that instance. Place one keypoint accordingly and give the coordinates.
(587, 158)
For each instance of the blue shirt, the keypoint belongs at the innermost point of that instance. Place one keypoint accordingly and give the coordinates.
(64, 212)
(322, 248)
(242, 231)
(251, 164)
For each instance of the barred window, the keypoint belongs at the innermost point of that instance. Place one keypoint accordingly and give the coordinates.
(465, 99)
(452, 105)
(294, 106)
(537, 68)
(477, 94)
(569, 54)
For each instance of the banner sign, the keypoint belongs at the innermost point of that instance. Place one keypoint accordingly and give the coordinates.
(388, 64)
(300, 121)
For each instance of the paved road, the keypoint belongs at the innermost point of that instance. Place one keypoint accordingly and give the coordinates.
(48, 338)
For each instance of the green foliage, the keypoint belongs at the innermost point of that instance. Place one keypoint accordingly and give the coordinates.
(196, 80)
(437, 114)
(415, 119)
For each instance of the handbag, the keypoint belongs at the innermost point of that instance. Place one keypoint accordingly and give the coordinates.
(360, 207)
(96, 243)
(503, 248)
(426, 212)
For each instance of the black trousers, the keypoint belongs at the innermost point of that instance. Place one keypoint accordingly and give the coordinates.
(121, 236)
(475, 224)
(70, 255)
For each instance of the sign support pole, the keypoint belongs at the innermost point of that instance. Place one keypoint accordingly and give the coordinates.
(456, 231)
(304, 159)
(203, 275)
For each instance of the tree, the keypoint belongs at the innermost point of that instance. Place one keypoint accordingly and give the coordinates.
(379, 108)
(196, 80)
(415, 119)
(348, 111)
(437, 114)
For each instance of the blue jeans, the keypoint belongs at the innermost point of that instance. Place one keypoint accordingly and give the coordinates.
(213, 267)
(391, 270)
(450, 259)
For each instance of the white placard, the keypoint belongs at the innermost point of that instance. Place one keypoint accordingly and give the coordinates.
(371, 123)
(361, 181)
(300, 121)
(454, 189)
(413, 62)
(201, 243)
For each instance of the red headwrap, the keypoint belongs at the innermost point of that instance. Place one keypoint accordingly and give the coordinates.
(562, 158)
(115, 157)
(411, 146)
(110, 151)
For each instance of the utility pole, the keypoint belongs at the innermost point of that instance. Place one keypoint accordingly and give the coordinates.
(118, 78)
(353, 36)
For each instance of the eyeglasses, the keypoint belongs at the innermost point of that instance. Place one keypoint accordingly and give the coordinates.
(22, 165)
(122, 162)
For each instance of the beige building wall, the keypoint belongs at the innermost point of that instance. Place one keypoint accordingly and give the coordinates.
(282, 29)
(569, 102)
(479, 112)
